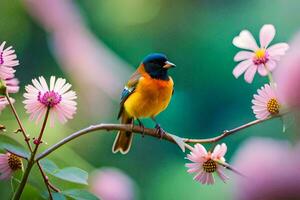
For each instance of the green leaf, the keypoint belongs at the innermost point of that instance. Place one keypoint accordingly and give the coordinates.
(80, 195)
(49, 166)
(55, 195)
(20, 151)
(179, 141)
(72, 174)
(58, 196)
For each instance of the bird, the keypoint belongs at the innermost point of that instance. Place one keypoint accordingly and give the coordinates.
(147, 93)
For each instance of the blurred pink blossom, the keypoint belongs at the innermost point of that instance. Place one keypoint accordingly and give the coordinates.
(96, 70)
(8, 60)
(261, 59)
(4, 102)
(12, 85)
(288, 75)
(266, 102)
(206, 163)
(8, 164)
(58, 98)
(112, 184)
(272, 170)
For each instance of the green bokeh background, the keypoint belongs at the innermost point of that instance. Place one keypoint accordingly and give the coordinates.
(197, 36)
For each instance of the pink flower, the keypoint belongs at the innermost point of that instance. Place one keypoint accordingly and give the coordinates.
(59, 98)
(8, 60)
(262, 59)
(112, 184)
(206, 163)
(9, 163)
(266, 103)
(12, 85)
(271, 168)
(288, 73)
(3, 102)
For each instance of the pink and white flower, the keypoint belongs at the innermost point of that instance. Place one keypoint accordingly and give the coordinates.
(8, 60)
(206, 163)
(262, 59)
(266, 103)
(59, 99)
(9, 163)
(7, 86)
(12, 85)
(4, 102)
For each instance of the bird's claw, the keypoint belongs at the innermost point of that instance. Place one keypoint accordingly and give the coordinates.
(143, 130)
(160, 131)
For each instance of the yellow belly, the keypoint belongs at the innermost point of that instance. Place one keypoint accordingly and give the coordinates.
(149, 98)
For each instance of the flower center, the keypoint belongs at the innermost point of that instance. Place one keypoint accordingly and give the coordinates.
(210, 166)
(14, 162)
(49, 98)
(261, 57)
(273, 106)
(1, 58)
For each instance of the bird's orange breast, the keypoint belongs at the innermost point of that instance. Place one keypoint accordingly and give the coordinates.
(150, 97)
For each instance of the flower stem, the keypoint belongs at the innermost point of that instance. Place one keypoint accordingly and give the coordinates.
(26, 138)
(31, 161)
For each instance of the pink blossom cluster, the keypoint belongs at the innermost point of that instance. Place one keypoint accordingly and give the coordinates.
(8, 82)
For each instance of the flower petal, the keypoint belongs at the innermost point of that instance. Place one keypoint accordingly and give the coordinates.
(241, 68)
(278, 49)
(249, 75)
(266, 35)
(245, 40)
(243, 55)
(262, 70)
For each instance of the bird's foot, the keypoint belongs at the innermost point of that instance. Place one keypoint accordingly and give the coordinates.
(160, 131)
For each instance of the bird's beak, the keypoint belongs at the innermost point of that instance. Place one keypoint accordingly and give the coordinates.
(168, 65)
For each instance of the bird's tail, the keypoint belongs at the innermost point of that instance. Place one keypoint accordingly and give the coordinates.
(124, 138)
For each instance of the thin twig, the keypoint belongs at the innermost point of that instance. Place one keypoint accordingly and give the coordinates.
(229, 132)
(26, 138)
(46, 180)
(144, 131)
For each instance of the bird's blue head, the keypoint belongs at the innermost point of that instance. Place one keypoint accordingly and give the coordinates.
(157, 65)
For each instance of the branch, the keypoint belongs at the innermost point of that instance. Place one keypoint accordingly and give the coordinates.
(143, 131)
(229, 132)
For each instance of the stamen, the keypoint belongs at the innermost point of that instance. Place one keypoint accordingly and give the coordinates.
(210, 166)
(14, 162)
(261, 57)
(49, 98)
(273, 106)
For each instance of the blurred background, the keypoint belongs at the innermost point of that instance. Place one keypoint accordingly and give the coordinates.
(97, 44)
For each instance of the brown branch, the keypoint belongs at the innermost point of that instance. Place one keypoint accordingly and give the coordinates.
(229, 132)
(46, 181)
(143, 131)
(26, 138)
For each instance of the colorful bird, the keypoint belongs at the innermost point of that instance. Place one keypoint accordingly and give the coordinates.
(147, 93)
